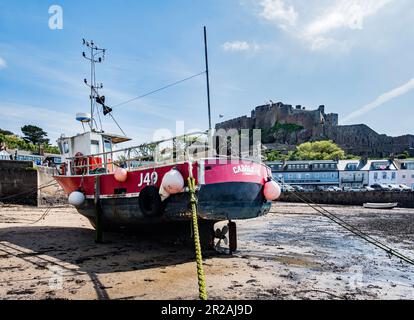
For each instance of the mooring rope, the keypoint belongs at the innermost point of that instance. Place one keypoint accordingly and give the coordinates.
(199, 259)
(318, 208)
(20, 194)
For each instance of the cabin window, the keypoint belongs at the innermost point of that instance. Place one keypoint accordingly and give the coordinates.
(107, 145)
(94, 146)
(65, 147)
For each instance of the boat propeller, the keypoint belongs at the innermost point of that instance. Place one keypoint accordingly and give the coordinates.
(221, 234)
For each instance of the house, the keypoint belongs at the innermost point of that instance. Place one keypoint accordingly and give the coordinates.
(353, 173)
(47, 159)
(381, 172)
(4, 155)
(405, 172)
(308, 174)
(52, 160)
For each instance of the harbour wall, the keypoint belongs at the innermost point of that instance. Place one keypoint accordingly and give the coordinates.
(49, 195)
(20, 182)
(404, 199)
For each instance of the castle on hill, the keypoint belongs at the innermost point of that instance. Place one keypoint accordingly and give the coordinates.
(285, 126)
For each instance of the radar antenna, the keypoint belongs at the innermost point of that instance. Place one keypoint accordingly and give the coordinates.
(95, 55)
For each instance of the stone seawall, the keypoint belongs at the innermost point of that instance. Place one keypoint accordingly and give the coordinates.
(404, 199)
(51, 195)
(18, 182)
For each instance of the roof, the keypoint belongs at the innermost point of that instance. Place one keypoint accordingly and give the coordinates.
(342, 164)
(116, 138)
(4, 153)
(388, 163)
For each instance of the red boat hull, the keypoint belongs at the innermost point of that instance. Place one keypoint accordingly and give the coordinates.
(226, 190)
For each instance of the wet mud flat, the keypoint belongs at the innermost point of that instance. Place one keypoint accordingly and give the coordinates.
(291, 253)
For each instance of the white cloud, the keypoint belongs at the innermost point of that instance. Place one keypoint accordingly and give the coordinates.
(240, 46)
(3, 63)
(318, 25)
(397, 92)
(277, 11)
(343, 14)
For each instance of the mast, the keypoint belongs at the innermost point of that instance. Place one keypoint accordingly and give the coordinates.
(96, 55)
(207, 78)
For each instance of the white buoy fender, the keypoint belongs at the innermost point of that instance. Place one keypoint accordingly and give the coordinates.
(173, 182)
(76, 198)
(271, 190)
(121, 175)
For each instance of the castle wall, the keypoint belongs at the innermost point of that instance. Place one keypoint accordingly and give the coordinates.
(354, 139)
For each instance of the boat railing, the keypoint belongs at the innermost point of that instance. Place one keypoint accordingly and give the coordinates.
(135, 156)
(148, 155)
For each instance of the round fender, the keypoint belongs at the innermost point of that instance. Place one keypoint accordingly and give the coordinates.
(150, 202)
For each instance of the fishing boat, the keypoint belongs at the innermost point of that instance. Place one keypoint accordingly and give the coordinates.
(378, 205)
(139, 186)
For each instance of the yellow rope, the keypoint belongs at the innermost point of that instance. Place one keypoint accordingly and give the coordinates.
(200, 272)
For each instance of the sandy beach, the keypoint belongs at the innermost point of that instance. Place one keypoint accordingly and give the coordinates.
(291, 253)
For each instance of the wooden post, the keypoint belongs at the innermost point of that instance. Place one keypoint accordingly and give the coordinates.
(232, 236)
(98, 211)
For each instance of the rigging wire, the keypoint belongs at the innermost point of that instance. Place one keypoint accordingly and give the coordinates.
(113, 118)
(159, 89)
(390, 251)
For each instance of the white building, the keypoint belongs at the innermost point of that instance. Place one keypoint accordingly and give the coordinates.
(381, 172)
(405, 172)
(4, 155)
(353, 174)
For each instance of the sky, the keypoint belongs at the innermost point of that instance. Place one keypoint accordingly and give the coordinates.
(353, 56)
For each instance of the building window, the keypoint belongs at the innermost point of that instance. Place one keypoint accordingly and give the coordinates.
(384, 175)
(403, 176)
(393, 175)
(375, 175)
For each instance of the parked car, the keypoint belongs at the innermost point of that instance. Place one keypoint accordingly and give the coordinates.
(380, 187)
(367, 188)
(299, 188)
(334, 188)
(405, 188)
(354, 189)
(287, 188)
(394, 187)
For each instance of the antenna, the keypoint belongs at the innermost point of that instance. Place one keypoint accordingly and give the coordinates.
(94, 55)
(207, 78)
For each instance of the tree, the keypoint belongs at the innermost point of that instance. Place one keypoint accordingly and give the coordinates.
(6, 132)
(318, 150)
(34, 135)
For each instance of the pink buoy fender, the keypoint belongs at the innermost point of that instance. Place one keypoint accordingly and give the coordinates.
(121, 174)
(173, 182)
(271, 190)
